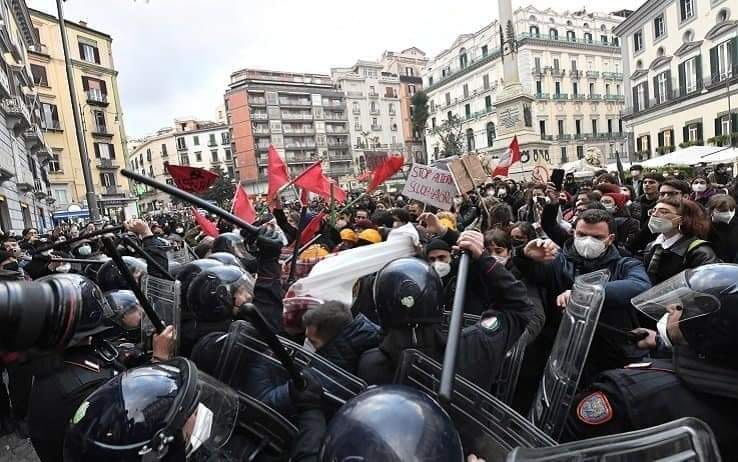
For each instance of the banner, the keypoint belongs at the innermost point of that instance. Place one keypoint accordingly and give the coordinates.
(430, 185)
(191, 179)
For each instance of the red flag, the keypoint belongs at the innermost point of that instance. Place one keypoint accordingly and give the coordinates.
(313, 180)
(364, 176)
(304, 197)
(311, 229)
(510, 156)
(278, 174)
(242, 206)
(191, 179)
(207, 226)
(388, 168)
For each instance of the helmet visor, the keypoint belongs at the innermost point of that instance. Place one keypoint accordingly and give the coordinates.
(675, 291)
(220, 403)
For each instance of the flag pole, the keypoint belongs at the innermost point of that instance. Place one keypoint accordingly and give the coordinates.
(348, 206)
(296, 250)
(333, 205)
(292, 181)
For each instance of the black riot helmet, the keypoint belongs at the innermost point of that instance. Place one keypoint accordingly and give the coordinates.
(407, 292)
(392, 423)
(212, 293)
(233, 243)
(109, 278)
(187, 273)
(141, 415)
(225, 258)
(94, 309)
(126, 309)
(708, 297)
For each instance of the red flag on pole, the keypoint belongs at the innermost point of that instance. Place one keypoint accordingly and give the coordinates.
(510, 156)
(388, 168)
(312, 228)
(207, 226)
(191, 179)
(278, 174)
(313, 180)
(242, 206)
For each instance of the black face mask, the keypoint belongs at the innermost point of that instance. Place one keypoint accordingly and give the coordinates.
(518, 243)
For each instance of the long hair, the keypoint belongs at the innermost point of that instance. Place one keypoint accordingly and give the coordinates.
(694, 221)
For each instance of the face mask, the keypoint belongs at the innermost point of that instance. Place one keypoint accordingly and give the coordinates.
(179, 230)
(489, 192)
(610, 208)
(442, 268)
(518, 243)
(308, 345)
(85, 250)
(699, 187)
(589, 247)
(458, 202)
(659, 225)
(63, 268)
(500, 259)
(202, 428)
(723, 217)
(501, 192)
(661, 328)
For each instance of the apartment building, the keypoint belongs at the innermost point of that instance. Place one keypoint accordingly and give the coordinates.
(569, 61)
(680, 60)
(303, 115)
(24, 183)
(190, 142)
(96, 83)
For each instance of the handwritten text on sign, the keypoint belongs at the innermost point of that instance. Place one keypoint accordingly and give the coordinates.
(430, 185)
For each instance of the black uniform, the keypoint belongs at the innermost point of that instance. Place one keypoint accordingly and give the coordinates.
(687, 252)
(60, 386)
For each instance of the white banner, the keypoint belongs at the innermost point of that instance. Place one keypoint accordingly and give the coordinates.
(430, 185)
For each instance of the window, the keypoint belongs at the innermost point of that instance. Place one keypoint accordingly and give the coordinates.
(591, 88)
(105, 151)
(575, 88)
(542, 125)
(462, 58)
(355, 108)
(594, 126)
(181, 143)
(227, 154)
(667, 138)
(560, 124)
(450, 115)
(662, 87)
(571, 36)
(484, 50)
(466, 90)
(553, 34)
(198, 156)
(615, 42)
(491, 134)
(580, 152)
(55, 163)
(578, 126)
(537, 63)
(564, 157)
(107, 180)
(603, 39)
(230, 171)
(411, 89)
(607, 89)
(686, 9)
(693, 132)
(89, 53)
(373, 107)
(391, 108)
(638, 41)
(588, 37)
(433, 122)
(467, 110)
(214, 155)
(556, 64)
(658, 26)
(724, 125)
(448, 99)
(430, 80)
(95, 89)
(488, 103)
(39, 75)
(485, 81)
(196, 140)
(49, 116)
(151, 171)
(211, 140)
(61, 196)
(722, 60)
(148, 155)
(609, 125)
(100, 125)
(469, 139)
(184, 159)
(539, 87)
(533, 31)
(642, 96)
(409, 71)
(557, 88)
(689, 75)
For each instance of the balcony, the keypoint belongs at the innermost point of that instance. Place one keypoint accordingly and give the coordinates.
(33, 137)
(374, 111)
(340, 171)
(376, 128)
(593, 74)
(336, 131)
(52, 125)
(537, 71)
(260, 116)
(300, 132)
(547, 137)
(4, 83)
(294, 102)
(390, 95)
(112, 190)
(560, 73)
(473, 64)
(575, 74)
(355, 94)
(298, 146)
(578, 97)
(261, 131)
(106, 163)
(335, 117)
(356, 111)
(262, 147)
(335, 106)
(338, 145)
(563, 137)
(296, 116)
(542, 96)
(101, 131)
(614, 98)
(181, 147)
(373, 94)
(96, 98)
(18, 117)
(595, 97)
(257, 101)
(569, 42)
(560, 96)
(612, 76)
(39, 189)
(339, 157)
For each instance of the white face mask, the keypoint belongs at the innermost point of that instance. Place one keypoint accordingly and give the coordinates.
(458, 201)
(502, 192)
(442, 268)
(660, 225)
(85, 250)
(202, 428)
(610, 208)
(699, 187)
(589, 247)
(308, 345)
(661, 328)
(179, 230)
(500, 259)
(723, 217)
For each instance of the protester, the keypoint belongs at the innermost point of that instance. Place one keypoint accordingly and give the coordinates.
(723, 236)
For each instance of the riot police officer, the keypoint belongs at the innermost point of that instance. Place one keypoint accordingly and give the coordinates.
(110, 278)
(233, 244)
(697, 320)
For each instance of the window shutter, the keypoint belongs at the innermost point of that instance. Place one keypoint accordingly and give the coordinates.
(685, 133)
(699, 133)
(111, 149)
(54, 113)
(718, 127)
(86, 83)
(97, 55)
(669, 91)
(648, 140)
(645, 93)
(635, 99)
(698, 65)
(81, 51)
(97, 150)
(682, 9)
(671, 138)
(103, 87)
(656, 92)
(638, 144)
(714, 64)
(661, 139)
(682, 80)
(734, 122)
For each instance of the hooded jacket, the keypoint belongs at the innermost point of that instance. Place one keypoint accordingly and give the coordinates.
(345, 349)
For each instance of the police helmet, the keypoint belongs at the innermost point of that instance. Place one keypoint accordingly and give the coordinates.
(143, 415)
(392, 423)
(187, 273)
(234, 244)
(124, 306)
(212, 292)
(225, 258)
(110, 278)
(408, 292)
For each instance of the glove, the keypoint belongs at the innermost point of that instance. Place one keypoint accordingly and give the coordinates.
(310, 397)
(268, 243)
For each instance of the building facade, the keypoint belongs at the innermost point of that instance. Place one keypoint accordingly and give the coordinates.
(680, 59)
(303, 115)
(96, 83)
(189, 142)
(569, 61)
(408, 65)
(24, 184)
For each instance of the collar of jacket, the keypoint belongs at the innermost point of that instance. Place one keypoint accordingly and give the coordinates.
(680, 247)
(588, 265)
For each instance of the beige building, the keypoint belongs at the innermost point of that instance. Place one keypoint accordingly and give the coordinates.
(95, 81)
(201, 144)
(681, 65)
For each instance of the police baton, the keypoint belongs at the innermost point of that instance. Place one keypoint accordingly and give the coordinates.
(272, 340)
(118, 260)
(99, 232)
(454, 332)
(149, 259)
(53, 259)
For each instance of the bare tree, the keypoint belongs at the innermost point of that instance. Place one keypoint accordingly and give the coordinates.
(450, 134)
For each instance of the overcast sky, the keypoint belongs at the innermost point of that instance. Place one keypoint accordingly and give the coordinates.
(175, 57)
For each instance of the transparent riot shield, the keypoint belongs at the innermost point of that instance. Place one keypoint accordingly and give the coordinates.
(488, 427)
(507, 379)
(469, 320)
(274, 434)
(243, 346)
(686, 439)
(569, 353)
(164, 296)
(181, 256)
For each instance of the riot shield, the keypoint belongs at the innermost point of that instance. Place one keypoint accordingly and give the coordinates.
(243, 346)
(181, 256)
(569, 353)
(274, 434)
(686, 439)
(469, 320)
(488, 428)
(507, 379)
(164, 296)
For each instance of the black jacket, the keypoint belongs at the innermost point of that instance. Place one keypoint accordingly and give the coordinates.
(724, 240)
(677, 258)
(346, 348)
(157, 248)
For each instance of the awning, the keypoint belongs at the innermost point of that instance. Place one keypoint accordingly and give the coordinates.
(726, 155)
(687, 156)
(65, 214)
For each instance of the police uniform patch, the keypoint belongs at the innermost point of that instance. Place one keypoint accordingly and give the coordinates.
(81, 411)
(491, 323)
(407, 302)
(594, 409)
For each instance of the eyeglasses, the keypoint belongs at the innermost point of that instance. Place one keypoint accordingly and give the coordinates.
(660, 212)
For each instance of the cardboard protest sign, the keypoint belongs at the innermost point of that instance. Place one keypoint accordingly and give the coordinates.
(430, 185)
(467, 172)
